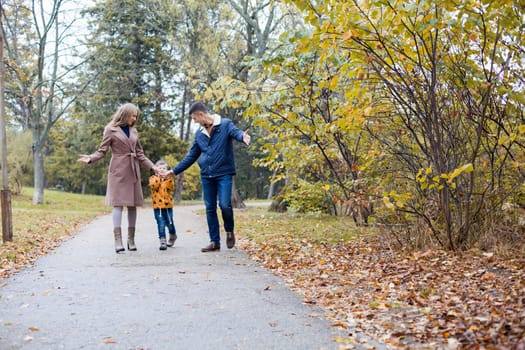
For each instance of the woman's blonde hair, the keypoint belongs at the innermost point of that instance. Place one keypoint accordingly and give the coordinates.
(124, 113)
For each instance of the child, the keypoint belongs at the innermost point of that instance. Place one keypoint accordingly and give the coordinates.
(162, 198)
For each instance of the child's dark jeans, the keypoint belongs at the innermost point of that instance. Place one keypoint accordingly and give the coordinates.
(164, 218)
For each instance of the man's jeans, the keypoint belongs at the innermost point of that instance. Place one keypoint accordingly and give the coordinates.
(164, 218)
(221, 188)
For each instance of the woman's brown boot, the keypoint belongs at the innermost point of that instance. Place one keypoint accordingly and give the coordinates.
(117, 232)
(131, 239)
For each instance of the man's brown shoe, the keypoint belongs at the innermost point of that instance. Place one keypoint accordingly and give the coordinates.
(171, 241)
(230, 239)
(211, 247)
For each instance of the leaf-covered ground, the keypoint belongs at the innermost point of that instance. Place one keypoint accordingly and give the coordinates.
(413, 300)
(37, 229)
(418, 300)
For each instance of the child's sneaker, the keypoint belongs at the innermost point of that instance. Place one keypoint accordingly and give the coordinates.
(163, 245)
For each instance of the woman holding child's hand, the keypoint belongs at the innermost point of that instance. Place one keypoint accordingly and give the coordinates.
(124, 188)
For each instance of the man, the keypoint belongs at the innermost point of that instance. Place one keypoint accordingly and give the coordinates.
(213, 148)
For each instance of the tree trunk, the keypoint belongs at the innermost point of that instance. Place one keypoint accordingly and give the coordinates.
(178, 187)
(38, 164)
(237, 201)
(271, 191)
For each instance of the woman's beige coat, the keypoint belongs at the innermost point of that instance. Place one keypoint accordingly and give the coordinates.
(124, 186)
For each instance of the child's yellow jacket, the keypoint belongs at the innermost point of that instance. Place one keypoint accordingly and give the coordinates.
(161, 191)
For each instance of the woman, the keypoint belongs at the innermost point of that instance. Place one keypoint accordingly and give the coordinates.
(124, 187)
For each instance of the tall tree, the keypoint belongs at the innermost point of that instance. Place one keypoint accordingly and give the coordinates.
(196, 35)
(313, 133)
(133, 61)
(40, 95)
(258, 18)
(256, 25)
(18, 36)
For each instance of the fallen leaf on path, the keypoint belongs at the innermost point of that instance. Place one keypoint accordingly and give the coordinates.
(343, 340)
(339, 324)
(110, 341)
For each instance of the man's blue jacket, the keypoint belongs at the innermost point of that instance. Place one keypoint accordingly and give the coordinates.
(215, 153)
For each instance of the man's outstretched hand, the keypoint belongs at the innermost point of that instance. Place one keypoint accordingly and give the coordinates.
(246, 137)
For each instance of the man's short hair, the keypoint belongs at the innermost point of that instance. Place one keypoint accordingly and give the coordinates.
(198, 107)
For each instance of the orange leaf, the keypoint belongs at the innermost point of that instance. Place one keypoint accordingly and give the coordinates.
(339, 324)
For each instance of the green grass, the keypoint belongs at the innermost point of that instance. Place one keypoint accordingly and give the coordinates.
(258, 224)
(60, 212)
(59, 201)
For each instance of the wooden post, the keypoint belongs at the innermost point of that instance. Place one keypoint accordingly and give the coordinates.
(5, 193)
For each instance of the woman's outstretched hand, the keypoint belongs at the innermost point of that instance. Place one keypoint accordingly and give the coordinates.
(84, 158)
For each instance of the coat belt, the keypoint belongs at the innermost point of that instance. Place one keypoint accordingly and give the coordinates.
(134, 166)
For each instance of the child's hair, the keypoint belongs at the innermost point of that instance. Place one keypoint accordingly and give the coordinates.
(161, 163)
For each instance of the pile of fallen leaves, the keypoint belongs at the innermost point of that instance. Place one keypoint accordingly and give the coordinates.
(421, 300)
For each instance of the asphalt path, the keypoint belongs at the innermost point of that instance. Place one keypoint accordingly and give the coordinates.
(85, 296)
